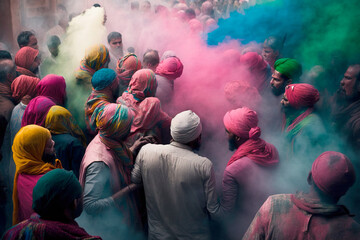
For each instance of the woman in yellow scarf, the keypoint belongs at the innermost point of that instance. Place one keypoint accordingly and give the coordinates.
(31, 144)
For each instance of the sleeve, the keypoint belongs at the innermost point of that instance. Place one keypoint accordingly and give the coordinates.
(136, 172)
(229, 192)
(258, 228)
(97, 178)
(212, 201)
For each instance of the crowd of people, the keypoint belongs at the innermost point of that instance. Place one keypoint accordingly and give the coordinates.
(114, 152)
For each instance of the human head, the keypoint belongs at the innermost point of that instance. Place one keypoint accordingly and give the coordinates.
(350, 84)
(190, 14)
(134, 5)
(145, 6)
(186, 128)
(5, 55)
(151, 59)
(127, 66)
(28, 58)
(24, 88)
(53, 44)
(241, 125)
(333, 173)
(32, 142)
(298, 96)
(171, 68)
(240, 95)
(271, 49)
(54, 87)
(114, 121)
(57, 196)
(62, 15)
(36, 111)
(104, 78)
(97, 57)
(7, 71)
(115, 43)
(27, 38)
(143, 84)
(286, 71)
(207, 8)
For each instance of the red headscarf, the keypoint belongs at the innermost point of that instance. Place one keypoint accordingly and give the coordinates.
(333, 173)
(24, 59)
(24, 86)
(127, 66)
(53, 86)
(301, 95)
(243, 123)
(171, 68)
(36, 111)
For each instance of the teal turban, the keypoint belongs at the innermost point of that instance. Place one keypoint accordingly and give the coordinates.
(54, 192)
(103, 78)
(288, 67)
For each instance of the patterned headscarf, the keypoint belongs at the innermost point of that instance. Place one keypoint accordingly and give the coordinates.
(24, 86)
(28, 148)
(127, 66)
(53, 87)
(95, 59)
(143, 84)
(36, 111)
(60, 121)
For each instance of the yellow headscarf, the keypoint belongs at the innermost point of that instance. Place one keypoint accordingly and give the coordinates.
(28, 148)
(60, 121)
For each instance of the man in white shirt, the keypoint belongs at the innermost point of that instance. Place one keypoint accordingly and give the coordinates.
(179, 184)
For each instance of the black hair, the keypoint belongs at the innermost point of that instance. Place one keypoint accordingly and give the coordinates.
(24, 38)
(113, 35)
(5, 55)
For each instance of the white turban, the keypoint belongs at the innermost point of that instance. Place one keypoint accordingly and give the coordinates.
(185, 127)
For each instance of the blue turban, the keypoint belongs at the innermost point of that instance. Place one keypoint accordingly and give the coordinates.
(103, 78)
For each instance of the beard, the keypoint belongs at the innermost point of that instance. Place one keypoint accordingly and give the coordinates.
(278, 91)
(232, 144)
(49, 158)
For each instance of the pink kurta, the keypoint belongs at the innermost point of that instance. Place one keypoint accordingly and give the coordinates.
(25, 186)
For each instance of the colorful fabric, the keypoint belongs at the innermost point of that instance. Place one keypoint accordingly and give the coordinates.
(28, 148)
(24, 86)
(40, 229)
(272, 220)
(301, 95)
(291, 68)
(114, 123)
(54, 192)
(60, 121)
(36, 111)
(127, 66)
(25, 57)
(142, 84)
(243, 123)
(185, 127)
(260, 71)
(95, 59)
(333, 173)
(171, 68)
(53, 87)
(103, 78)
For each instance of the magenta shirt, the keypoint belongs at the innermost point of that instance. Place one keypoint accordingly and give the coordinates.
(25, 186)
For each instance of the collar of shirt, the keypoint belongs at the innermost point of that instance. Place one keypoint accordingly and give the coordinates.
(180, 145)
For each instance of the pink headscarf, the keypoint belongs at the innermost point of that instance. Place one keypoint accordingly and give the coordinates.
(24, 86)
(171, 68)
(36, 111)
(243, 123)
(333, 173)
(54, 87)
(302, 95)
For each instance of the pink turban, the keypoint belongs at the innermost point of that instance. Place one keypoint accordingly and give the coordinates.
(243, 123)
(333, 173)
(25, 57)
(171, 68)
(253, 61)
(302, 95)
